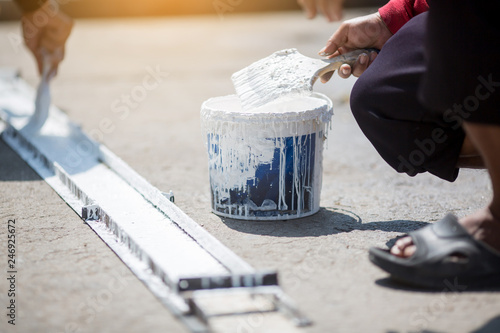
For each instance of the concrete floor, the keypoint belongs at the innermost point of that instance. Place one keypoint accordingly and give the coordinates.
(69, 281)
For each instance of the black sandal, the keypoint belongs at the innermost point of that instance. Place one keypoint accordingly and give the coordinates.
(446, 255)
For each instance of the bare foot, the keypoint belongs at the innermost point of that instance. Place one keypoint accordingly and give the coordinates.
(482, 225)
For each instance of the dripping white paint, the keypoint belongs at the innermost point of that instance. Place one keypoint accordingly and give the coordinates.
(266, 163)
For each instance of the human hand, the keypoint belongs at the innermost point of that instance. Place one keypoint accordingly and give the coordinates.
(45, 32)
(331, 9)
(367, 31)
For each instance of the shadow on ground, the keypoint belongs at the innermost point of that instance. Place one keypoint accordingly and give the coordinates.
(12, 167)
(452, 287)
(424, 331)
(327, 221)
(492, 326)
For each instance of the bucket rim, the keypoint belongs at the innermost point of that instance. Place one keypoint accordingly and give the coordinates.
(321, 114)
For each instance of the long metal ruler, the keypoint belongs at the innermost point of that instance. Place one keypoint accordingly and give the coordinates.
(186, 268)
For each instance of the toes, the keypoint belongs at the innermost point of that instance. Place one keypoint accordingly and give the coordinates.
(396, 251)
(403, 247)
(409, 251)
(405, 241)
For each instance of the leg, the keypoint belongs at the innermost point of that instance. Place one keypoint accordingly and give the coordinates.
(487, 139)
(409, 137)
(467, 249)
(469, 156)
(441, 87)
(484, 225)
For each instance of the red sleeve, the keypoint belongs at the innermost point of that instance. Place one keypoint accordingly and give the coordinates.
(397, 12)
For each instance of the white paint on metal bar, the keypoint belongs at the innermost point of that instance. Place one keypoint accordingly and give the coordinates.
(156, 240)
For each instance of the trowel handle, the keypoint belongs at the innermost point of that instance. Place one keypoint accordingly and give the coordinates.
(346, 58)
(46, 65)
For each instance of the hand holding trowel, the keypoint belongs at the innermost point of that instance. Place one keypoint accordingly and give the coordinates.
(285, 73)
(46, 40)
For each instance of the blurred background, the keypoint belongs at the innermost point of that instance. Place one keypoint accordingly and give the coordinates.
(127, 8)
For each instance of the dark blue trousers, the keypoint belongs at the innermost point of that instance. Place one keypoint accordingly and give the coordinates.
(426, 81)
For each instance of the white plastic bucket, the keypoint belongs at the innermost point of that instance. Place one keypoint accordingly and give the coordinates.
(266, 164)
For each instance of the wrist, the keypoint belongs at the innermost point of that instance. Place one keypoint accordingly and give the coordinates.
(385, 32)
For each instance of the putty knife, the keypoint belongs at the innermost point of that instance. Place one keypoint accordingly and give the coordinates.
(42, 100)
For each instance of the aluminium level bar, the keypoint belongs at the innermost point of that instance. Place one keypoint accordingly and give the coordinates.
(161, 245)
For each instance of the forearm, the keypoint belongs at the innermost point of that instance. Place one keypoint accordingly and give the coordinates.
(396, 13)
(45, 30)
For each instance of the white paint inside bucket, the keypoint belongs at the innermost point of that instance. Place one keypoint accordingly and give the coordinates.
(266, 163)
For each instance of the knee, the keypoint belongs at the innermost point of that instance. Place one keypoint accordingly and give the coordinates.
(363, 100)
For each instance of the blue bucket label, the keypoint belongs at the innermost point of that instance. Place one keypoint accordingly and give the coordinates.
(282, 187)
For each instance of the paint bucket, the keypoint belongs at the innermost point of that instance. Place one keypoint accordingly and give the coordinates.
(266, 164)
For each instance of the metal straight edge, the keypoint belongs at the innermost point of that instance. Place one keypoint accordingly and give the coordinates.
(60, 181)
(212, 245)
(204, 239)
(275, 295)
(166, 290)
(154, 277)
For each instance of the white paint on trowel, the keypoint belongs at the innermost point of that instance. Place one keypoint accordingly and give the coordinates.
(283, 73)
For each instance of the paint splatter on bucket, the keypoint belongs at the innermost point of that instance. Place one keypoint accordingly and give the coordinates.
(266, 164)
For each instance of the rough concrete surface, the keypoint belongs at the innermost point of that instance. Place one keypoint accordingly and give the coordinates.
(69, 281)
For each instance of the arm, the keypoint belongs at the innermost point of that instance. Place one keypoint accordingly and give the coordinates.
(397, 12)
(370, 31)
(367, 31)
(45, 29)
(331, 9)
